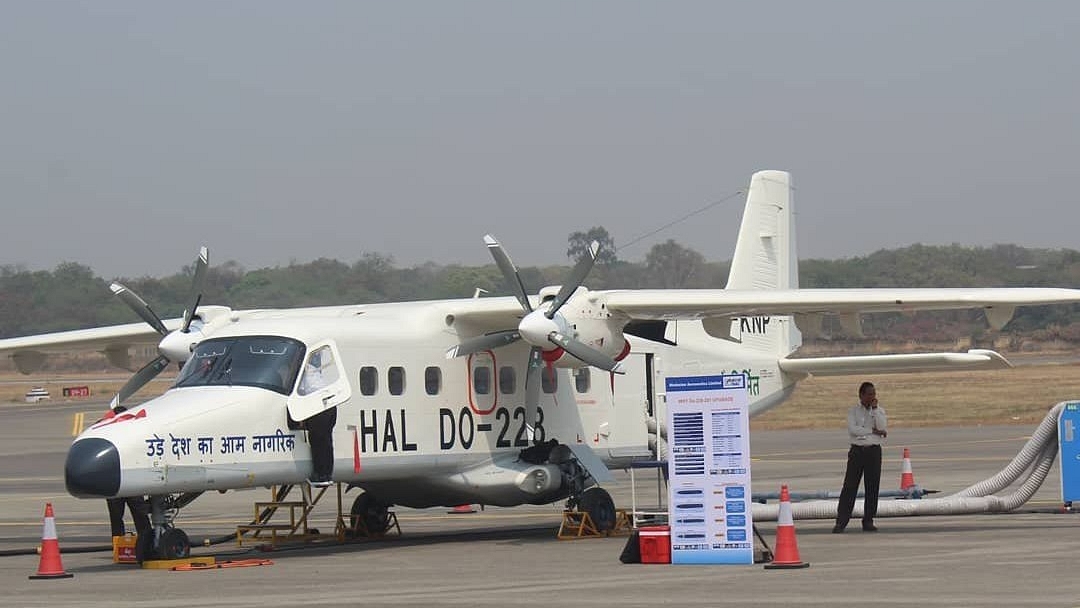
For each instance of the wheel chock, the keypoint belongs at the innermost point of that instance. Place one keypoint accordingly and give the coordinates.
(172, 564)
(235, 563)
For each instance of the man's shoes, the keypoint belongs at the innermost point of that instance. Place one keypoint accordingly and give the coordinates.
(838, 529)
(869, 528)
(321, 483)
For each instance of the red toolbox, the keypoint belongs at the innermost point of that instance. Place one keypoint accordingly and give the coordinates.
(655, 544)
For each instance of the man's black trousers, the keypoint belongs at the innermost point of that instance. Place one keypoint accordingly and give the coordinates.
(863, 462)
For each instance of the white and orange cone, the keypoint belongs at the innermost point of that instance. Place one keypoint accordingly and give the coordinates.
(907, 478)
(50, 565)
(787, 549)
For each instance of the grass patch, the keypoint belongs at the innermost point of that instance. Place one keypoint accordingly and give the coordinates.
(13, 386)
(1021, 395)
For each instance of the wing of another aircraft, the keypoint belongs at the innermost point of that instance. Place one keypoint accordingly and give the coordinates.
(887, 364)
(97, 338)
(29, 352)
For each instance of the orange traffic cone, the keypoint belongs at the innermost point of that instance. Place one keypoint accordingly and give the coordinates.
(462, 509)
(907, 478)
(787, 549)
(50, 565)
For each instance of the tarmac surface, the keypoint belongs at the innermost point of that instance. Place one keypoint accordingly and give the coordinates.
(500, 557)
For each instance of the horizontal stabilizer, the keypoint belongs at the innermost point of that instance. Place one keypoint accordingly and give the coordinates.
(887, 364)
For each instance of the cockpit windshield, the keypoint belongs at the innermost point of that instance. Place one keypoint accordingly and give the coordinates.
(267, 362)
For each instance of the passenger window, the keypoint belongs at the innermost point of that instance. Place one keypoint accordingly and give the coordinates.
(369, 380)
(548, 380)
(481, 380)
(507, 380)
(433, 380)
(395, 376)
(582, 380)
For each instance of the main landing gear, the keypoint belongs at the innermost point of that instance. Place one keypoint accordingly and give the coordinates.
(165, 541)
(598, 504)
(368, 516)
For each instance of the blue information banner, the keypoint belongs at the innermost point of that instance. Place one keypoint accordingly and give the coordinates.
(1069, 443)
(709, 511)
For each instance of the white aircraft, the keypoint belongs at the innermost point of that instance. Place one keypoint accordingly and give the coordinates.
(488, 400)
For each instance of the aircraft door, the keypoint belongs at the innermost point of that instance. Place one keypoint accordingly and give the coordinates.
(623, 429)
(483, 394)
(323, 383)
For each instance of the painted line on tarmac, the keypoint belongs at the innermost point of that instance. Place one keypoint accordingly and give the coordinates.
(26, 479)
(936, 460)
(844, 448)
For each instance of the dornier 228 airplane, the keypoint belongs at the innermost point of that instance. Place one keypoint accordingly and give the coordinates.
(489, 400)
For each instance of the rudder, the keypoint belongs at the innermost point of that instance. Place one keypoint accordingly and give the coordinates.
(765, 253)
(766, 258)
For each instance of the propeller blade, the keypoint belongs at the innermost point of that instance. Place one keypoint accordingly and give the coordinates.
(509, 271)
(484, 342)
(532, 387)
(585, 352)
(577, 275)
(197, 282)
(145, 374)
(140, 307)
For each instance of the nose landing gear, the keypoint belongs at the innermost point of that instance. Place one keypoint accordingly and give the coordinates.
(165, 541)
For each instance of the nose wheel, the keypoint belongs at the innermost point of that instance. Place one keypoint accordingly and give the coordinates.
(172, 543)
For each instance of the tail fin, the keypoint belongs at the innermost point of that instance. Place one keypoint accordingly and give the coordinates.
(765, 254)
(766, 258)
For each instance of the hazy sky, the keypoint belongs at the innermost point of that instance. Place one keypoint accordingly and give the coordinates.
(133, 132)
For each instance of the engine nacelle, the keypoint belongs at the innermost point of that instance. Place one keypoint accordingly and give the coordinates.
(589, 322)
(507, 480)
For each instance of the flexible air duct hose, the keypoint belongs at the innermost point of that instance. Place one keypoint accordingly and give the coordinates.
(1037, 456)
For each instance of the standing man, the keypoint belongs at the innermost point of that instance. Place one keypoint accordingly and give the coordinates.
(320, 372)
(866, 428)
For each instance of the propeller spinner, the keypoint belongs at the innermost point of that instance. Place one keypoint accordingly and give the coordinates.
(543, 328)
(174, 346)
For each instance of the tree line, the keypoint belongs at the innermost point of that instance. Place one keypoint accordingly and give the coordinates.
(71, 296)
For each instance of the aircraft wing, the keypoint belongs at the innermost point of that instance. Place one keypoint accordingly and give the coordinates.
(671, 304)
(885, 364)
(501, 312)
(28, 352)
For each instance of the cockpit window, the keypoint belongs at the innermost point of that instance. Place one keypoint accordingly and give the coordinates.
(264, 361)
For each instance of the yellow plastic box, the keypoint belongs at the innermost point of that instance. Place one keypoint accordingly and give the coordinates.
(123, 549)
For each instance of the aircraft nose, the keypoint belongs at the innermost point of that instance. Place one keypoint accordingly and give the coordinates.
(92, 468)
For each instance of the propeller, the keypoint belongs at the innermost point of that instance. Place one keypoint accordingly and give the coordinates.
(197, 282)
(543, 328)
(140, 307)
(145, 374)
(170, 348)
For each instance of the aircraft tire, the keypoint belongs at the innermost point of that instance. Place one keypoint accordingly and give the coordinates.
(175, 544)
(601, 508)
(368, 516)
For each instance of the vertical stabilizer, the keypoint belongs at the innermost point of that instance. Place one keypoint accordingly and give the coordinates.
(765, 253)
(766, 258)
